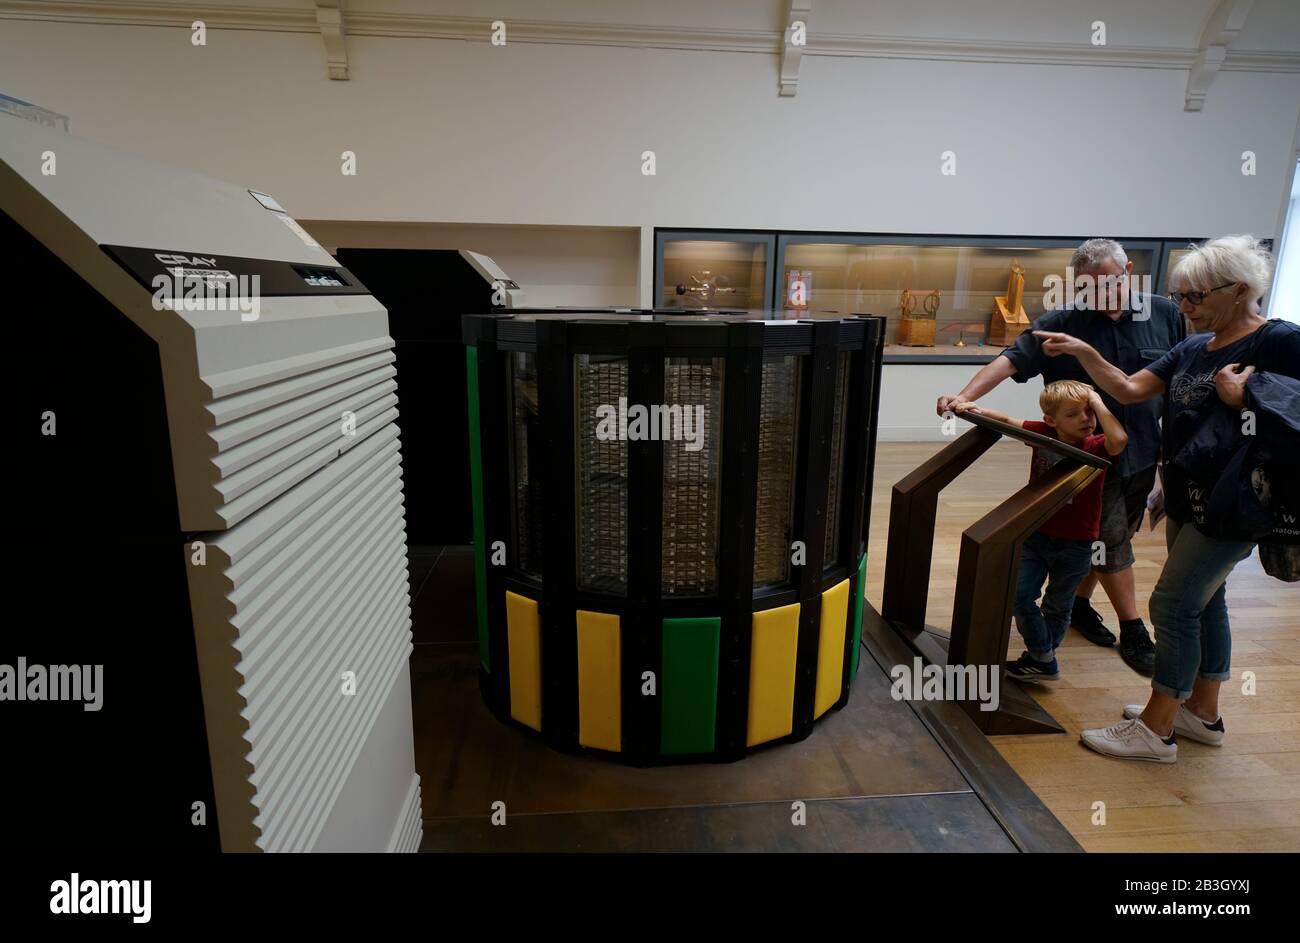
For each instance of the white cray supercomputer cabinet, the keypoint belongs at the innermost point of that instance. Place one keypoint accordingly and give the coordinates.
(254, 448)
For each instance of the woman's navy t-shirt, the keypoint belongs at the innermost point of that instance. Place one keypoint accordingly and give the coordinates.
(1188, 372)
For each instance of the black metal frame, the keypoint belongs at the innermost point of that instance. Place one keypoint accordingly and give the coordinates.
(646, 339)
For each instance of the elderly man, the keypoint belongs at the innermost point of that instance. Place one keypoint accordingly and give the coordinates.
(1130, 330)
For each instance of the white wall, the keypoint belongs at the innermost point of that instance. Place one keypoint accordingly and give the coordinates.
(556, 265)
(543, 133)
(909, 392)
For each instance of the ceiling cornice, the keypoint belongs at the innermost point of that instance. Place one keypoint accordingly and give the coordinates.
(1226, 21)
(478, 29)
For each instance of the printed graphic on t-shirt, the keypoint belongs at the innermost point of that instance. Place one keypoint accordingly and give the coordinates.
(1191, 390)
(1043, 463)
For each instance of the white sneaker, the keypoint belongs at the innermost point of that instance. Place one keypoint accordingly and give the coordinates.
(1188, 725)
(1131, 740)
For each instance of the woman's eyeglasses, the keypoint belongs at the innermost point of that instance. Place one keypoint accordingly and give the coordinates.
(1194, 298)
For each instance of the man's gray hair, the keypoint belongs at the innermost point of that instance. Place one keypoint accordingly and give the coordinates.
(1096, 252)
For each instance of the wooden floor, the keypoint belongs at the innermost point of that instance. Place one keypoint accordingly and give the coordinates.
(1243, 796)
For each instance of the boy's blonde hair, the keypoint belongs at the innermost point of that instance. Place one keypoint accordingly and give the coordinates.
(1061, 393)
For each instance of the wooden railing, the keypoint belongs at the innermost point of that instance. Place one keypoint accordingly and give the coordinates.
(984, 597)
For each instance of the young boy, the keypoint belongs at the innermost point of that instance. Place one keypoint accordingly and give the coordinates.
(1061, 551)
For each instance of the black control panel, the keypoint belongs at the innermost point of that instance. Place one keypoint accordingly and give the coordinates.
(181, 269)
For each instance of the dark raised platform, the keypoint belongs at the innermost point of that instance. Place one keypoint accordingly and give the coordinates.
(879, 775)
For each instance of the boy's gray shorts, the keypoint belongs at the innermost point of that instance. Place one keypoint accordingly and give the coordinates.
(1123, 504)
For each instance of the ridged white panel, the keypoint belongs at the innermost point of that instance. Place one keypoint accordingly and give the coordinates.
(317, 585)
(313, 581)
(267, 438)
(410, 826)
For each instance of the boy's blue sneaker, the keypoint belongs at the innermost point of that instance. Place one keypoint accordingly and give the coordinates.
(1028, 668)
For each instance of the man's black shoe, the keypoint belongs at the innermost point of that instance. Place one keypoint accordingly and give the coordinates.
(1087, 622)
(1136, 647)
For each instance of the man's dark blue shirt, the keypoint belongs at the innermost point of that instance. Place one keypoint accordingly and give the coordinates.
(1125, 342)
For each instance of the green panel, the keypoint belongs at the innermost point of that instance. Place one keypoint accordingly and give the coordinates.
(857, 615)
(476, 486)
(689, 685)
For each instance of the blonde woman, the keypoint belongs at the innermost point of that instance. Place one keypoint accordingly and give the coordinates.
(1218, 287)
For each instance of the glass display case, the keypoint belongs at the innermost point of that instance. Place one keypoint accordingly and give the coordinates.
(701, 271)
(938, 293)
(951, 285)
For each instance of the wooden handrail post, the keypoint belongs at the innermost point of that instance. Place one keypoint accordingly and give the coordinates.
(911, 526)
(984, 596)
(989, 560)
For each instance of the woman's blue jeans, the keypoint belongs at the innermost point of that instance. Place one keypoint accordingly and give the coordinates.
(1189, 609)
(1063, 564)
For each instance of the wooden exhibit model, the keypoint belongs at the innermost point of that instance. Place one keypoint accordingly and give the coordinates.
(917, 330)
(984, 597)
(1009, 320)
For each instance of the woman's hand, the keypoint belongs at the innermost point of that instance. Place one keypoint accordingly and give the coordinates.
(1231, 386)
(1055, 344)
(965, 407)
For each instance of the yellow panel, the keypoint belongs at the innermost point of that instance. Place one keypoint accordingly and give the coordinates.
(600, 702)
(772, 658)
(524, 631)
(830, 647)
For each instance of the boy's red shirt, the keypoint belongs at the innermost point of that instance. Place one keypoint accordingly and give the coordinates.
(1080, 518)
